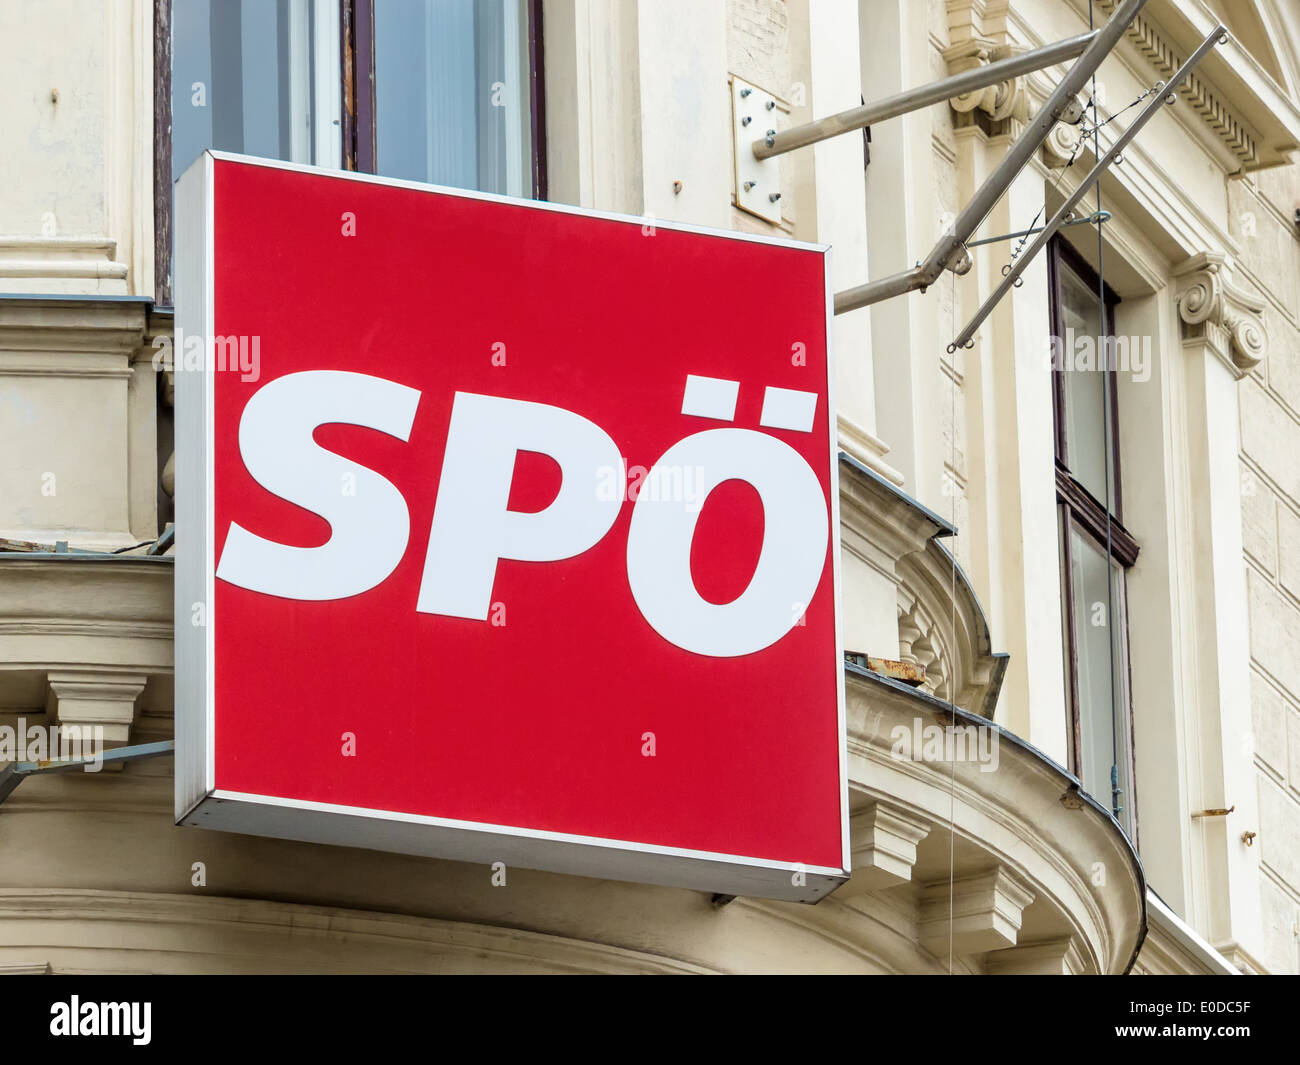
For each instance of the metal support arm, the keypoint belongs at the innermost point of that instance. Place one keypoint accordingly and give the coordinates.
(1219, 33)
(950, 248)
(16, 772)
(914, 99)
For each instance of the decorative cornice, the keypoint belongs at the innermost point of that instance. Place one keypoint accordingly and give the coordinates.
(79, 333)
(100, 613)
(1241, 140)
(867, 448)
(44, 264)
(1218, 315)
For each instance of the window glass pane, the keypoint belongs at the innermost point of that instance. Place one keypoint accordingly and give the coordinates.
(1103, 727)
(1068, 671)
(452, 104)
(260, 77)
(1087, 453)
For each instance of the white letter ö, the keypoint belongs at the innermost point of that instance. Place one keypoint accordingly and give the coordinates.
(790, 563)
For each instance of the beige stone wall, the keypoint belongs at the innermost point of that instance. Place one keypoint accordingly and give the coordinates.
(950, 395)
(1262, 221)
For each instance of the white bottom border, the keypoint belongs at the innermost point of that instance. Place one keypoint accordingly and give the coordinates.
(468, 841)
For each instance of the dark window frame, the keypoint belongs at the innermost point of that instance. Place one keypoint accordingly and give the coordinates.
(1081, 511)
(357, 67)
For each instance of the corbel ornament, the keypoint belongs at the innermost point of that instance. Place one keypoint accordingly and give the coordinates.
(1000, 102)
(1216, 313)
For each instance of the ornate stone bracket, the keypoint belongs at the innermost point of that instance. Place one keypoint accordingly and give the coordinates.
(88, 699)
(1059, 147)
(883, 837)
(977, 29)
(1050, 957)
(1000, 102)
(981, 911)
(1218, 315)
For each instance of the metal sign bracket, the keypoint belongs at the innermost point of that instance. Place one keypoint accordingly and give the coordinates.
(757, 181)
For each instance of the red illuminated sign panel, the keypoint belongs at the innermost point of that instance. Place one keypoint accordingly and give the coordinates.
(507, 533)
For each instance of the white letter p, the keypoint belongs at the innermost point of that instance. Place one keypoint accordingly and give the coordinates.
(472, 525)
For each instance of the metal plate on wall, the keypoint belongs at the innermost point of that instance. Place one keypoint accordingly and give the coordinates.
(758, 181)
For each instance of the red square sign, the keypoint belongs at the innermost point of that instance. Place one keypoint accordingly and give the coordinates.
(507, 532)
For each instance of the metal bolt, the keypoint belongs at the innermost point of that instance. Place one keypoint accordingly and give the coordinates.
(770, 105)
(772, 197)
(745, 92)
(749, 185)
(677, 187)
(746, 120)
(770, 141)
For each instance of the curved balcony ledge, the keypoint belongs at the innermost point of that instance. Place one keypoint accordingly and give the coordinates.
(941, 626)
(1042, 878)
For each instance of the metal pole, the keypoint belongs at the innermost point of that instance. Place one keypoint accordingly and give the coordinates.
(886, 288)
(1218, 34)
(16, 772)
(951, 245)
(922, 96)
(1086, 220)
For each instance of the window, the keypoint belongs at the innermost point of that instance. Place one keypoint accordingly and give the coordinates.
(259, 77)
(451, 83)
(1095, 548)
(439, 91)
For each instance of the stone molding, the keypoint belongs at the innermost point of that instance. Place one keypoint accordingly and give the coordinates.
(1166, 58)
(58, 264)
(173, 933)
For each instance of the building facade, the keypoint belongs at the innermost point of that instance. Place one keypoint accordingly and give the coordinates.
(1076, 542)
